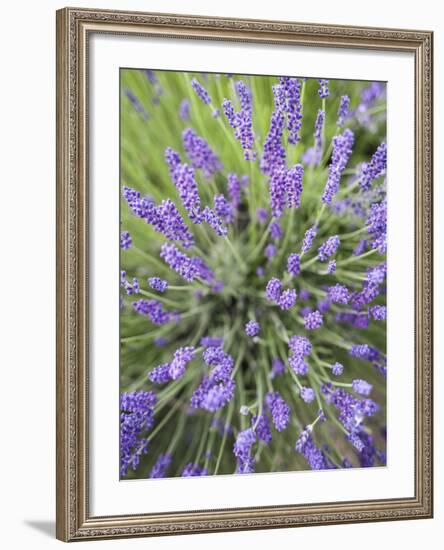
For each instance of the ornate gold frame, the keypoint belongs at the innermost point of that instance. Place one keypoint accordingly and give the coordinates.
(73, 28)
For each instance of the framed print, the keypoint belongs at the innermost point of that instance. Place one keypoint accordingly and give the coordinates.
(244, 274)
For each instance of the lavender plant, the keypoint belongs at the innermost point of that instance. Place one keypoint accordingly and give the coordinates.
(253, 274)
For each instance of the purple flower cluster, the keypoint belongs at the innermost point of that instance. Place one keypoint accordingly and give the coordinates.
(375, 168)
(252, 328)
(309, 237)
(125, 240)
(323, 88)
(194, 470)
(165, 217)
(377, 226)
(313, 320)
(293, 264)
(288, 101)
(300, 347)
(284, 299)
(130, 288)
(242, 451)
(273, 157)
(242, 121)
(343, 111)
(338, 294)
(136, 416)
(161, 466)
(186, 267)
(158, 284)
(279, 410)
(328, 248)
(155, 311)
(201, 92)
(200, 154)
(342, 150)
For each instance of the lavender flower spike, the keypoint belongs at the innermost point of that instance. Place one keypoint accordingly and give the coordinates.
(201, 92)
(328, 248)
(252, 328)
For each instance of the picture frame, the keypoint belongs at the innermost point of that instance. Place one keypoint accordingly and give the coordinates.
(75, 27)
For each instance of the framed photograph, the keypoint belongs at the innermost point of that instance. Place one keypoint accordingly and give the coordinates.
(244, 274)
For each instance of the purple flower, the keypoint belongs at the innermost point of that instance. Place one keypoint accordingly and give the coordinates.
(337, 369)
(375, 168)
(293, 264)
(185, 182)
(280, 411)
(160, 341)
(342, 149)
(377, 226)
(244, 441)
(211, 395)
(234, 189)
(313, 320)
(161, 466)
(298, 364)
(307, 394)
(184, 109)
(261, 426)
(130, 288)
(165, 218)
(179, 261)
(138, 107)
(379, 313)
(277, 367)
(244, 122)
(136, 416)
(181, 358)
(276, 230)
(328, 248)
(213, 220)
(323, 88)
(273, 290)
(194, 470)
(360, 247)
(270, 250)
(158, 284)
(211, 341)
(304, 294)
(242, 451)
(364, 351)
(125, 240)
(252, 328)
(352, 411)
(362, 387)
(290, 99)
(277, 189)
(331, 267)
(262, 215)
(343, 110)
(293, 184)
(202, 94)
(155, 311)
(314, 154)
(287, 299)
(300, 345)
(338, 294)
(273, 157)
(309, 237)
(222, 362)
(200, 154)
(223, 209)
(312, 454)
(160, 374)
